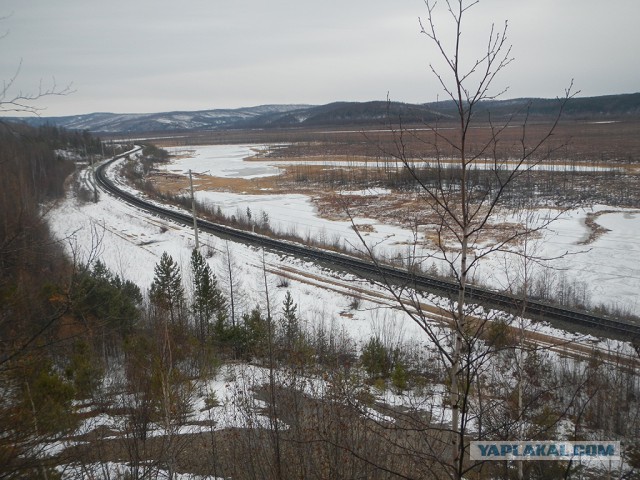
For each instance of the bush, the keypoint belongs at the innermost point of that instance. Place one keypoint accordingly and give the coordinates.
(246, 340)
(399, 376)
(376, 359)
(83, 370)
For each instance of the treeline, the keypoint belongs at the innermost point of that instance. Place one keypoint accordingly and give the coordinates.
(35, 164)
(35, 279)
(46, 317)
(555, 185)
(32, 175)
(355, 114)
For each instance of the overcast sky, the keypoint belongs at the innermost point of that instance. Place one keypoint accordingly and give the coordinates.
(138, 56)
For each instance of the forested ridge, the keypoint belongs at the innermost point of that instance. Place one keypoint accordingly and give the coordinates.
(362, 114)
(45, 333)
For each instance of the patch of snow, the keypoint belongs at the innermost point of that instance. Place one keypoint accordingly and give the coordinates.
(107, 470)
(226, 161)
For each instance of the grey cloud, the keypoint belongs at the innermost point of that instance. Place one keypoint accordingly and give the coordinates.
(143, 55)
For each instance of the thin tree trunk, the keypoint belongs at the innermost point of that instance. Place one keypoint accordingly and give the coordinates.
(272, 383)
(233, 309)
(35, 426)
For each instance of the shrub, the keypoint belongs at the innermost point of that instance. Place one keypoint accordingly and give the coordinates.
(376, 359)
(399, 376)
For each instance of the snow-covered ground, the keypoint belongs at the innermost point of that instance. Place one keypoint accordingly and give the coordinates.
(130, 242)
(608, 269)
(227, 161)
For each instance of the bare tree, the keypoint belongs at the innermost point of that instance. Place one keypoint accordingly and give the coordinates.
(229, 272)
(15, 100)
(462, 190)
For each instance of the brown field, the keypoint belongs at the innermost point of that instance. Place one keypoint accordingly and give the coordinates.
(611, 143)
(614, 146)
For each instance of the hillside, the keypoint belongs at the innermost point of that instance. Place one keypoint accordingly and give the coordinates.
(165, 121)
(340, 114)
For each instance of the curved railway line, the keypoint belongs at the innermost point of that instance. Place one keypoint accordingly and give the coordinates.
(535, 309)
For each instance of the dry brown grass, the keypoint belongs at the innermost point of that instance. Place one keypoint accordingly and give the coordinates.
(580, 144)
(585, 141)
(400, 208)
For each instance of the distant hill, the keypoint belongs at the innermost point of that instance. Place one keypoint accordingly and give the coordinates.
(340, 114)
(346, 113)
(585, 108)
(161, 122)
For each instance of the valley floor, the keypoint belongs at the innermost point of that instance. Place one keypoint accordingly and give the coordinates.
(131, 242)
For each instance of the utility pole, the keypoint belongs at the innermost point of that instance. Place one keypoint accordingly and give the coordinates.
(95, 185)
(193, 210)
(93, 174)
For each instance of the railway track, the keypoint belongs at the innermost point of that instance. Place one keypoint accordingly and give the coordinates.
(535, 309)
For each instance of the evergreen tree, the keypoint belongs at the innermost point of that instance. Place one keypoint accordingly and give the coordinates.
(376, 359)
(256, 331)
(208, 302)
(166, 291)
(290, 328)
(99, 294)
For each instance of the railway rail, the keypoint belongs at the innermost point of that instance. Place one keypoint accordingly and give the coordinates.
(535, 309)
